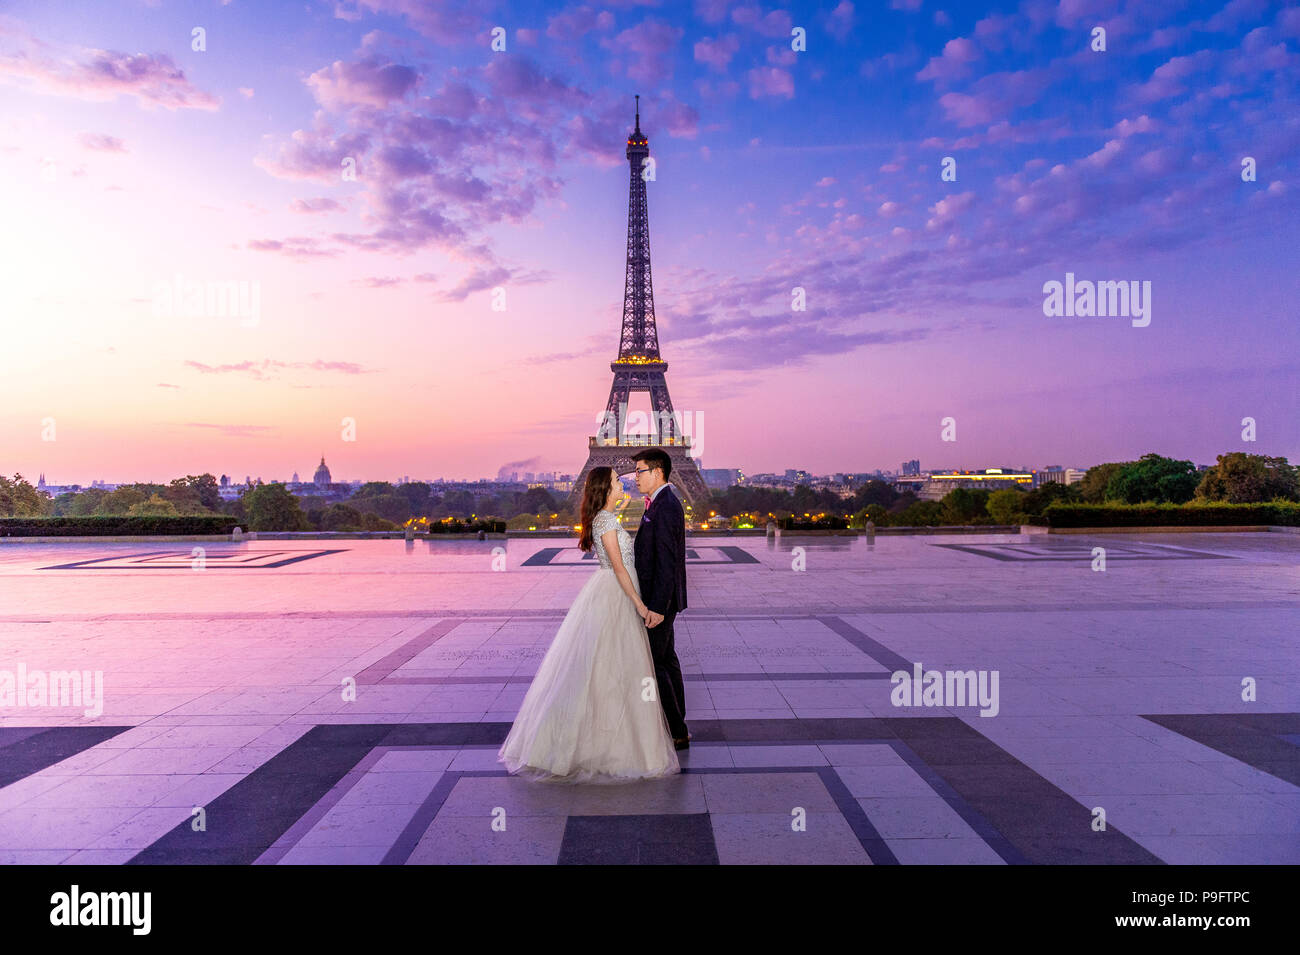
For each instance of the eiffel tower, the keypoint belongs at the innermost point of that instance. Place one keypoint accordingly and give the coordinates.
(639, 366)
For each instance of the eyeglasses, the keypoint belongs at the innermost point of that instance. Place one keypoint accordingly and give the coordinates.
(644, 470)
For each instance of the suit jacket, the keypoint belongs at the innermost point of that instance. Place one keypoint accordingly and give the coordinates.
(660, 553)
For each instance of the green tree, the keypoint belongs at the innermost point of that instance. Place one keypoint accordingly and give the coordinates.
(392, 507)
(1153, 478)
(1007, 506)
(340, 517)
(459, 503)
(80, 504)
(964, 505)
(905, 500)
(18, 498)
(417, 495)
(194, 494)
(373, 522)
(875, 513)
(121, 500)
(1241, 478)
(154, 505)
(879, 493)
(271, 507)
(536, 500)
(1047, 493)
(920, 514)
(1093, 486)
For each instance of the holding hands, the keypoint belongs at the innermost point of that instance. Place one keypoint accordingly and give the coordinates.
(648, 616)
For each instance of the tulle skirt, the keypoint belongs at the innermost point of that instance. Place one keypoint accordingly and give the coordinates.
(592, 713)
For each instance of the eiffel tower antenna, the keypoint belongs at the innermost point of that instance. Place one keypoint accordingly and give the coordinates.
(639, 366)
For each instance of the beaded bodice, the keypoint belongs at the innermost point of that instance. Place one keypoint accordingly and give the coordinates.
(600, 525)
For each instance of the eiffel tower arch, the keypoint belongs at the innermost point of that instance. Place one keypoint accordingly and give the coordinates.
(639, 367)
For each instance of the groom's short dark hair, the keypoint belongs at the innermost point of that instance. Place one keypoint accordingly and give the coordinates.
(654, 458)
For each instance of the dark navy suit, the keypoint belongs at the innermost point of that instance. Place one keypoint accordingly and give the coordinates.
(660, 552)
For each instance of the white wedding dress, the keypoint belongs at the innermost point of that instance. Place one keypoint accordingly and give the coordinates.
(592, 713)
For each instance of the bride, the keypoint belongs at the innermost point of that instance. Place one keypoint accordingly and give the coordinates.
(592, 713)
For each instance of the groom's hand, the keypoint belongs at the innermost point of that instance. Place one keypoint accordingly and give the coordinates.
(653, 619)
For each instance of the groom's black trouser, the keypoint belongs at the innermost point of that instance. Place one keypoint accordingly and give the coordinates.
(668, 673)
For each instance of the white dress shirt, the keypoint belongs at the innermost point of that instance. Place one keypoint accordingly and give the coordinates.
(655, 493)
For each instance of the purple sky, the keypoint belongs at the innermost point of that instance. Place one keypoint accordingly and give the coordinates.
(130, 158)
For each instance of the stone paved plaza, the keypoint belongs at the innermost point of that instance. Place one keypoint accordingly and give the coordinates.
(1118, 689)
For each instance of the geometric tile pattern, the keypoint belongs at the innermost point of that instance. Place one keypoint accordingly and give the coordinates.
(185, 560)
(1080, 552)
(568, 557)
(28, 750)
(1120, 692)
(1267, 741)
(393, 794)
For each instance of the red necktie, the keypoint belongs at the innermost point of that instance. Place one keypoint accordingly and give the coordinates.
(647, 500)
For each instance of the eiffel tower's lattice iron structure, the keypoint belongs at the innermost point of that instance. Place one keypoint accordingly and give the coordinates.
(639, 366)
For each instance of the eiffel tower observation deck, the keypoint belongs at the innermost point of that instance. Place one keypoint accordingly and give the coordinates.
(639, 366)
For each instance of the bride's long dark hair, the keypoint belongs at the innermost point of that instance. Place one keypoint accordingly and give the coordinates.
(594, 495)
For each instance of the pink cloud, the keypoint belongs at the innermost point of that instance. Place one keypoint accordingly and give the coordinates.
(645, 51)
(365, 83)
(1129, 127)
(995, 96)
(316, 154)
(267, 366)
(1073, 12)
(315, 206)
(297, 247)
(711, 11)
(967, 110)
(948, 208)
(1166, 80)
(1102, 157)
(770, 81)
(839, 22)
(717, 53)
(781, 56)
(953, 63)
(101, 75)
(102, 142)
(777, 23)
(577, 22)
(444, 23)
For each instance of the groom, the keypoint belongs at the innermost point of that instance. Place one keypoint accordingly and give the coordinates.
(660, 551)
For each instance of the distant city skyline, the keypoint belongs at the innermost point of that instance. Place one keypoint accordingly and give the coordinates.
(430, 235)
(337, 479)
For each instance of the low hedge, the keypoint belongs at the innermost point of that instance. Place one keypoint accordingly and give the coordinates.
(825, 524)
(1281, 513)
(457, 527)
(117, 525)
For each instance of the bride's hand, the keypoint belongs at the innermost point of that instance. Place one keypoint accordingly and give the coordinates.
(642, 610)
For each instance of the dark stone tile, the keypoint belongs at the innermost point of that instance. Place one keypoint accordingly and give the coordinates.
(1254, 738)
(668, 839)
(741, 730)
(249, 817)
(30, 749)
(944, 727)
(705, 731)
(876, 848)
(937, 750)
(848, 727)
